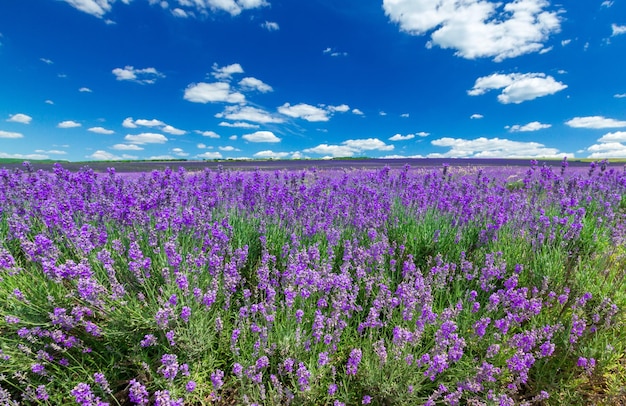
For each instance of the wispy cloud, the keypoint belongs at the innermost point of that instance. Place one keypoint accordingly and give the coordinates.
(46, 61)
(226, 72)
(143, 76)
(248, 113)
(532, 126)
(493, 148)
(10, 134)
(618, 29)
(101, 130)
(152, 123)
(85, 90)
(270, 26)
(595, 122)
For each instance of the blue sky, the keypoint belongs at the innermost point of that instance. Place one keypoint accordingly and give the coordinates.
(204, 79)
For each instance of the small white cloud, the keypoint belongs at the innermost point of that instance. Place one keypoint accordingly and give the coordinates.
(226, 72)
(161, 157)
(595, 122)
(233, 138)
(212, 93)
(179, 152)
(249, 83)
(85, 90)
(228, 148)
(517, 87)
(201, 146)
(239, 124)
(565, 42)
(618, 136)
(48, 102)
(149, 123)
(476, 116)
(270, 26)
(129, 123)
(210, 155)
(210, 134)
(97, 8)
(607, 150)
(68, 124)
(23, 156)
(342, 108)
(400, 137)
(261, 136)
(332, 150)
(180, 13)
(405, 115)
(618, 29)
(152, 123)
(304, 111)
(350, 147)
(357, 112)
(100, 130)
(620, 95)
(494, 148)
(334, 53)
(607, 3)
(146, 138)
(271, 154)
(422, 134)
(532, 126)
(9, 134)
(51, 152)
(143, 76)
(382, 113)
(172, 130)
(248, 113)
(127, 147)
(46, 61)
(101, 155)
(20, 118)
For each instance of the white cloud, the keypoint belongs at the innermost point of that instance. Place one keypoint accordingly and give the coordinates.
(565, 42)
(532, 126)
(180, 13)
(68, 124)
(357, 112)
(226, 72)
(201, 146)
(618, 29)
(249, 83)
(100, 130)
(607, 3)
(248, 113)
(304, 111)
(9, 134)
(129, 123)
(149, 123)
(494, 148)
(146, 138)
(143, 76)
(476, 116)
(85, 90)
(20, 118)
(271, 154)
(179, 152)
(270, 26)
(210, 134)
(618, 136)
(607, 150)
(97, 8)
(620, 95)
(233, 138)
(342, 108)
(239, 124)
(478, 28)
(334, 53)
(49, 102)
(595, 122)
(517, 87)
(172, 130)
(382, 113)
(228, 148)
(350, 147)
(127, 147)
(261, 136)
(101, 155)
(212, 93)
(23, 156)
(51, 152)
(209, 155)
(400, 137)
(46, 61)
(422, 134)
(405, 115)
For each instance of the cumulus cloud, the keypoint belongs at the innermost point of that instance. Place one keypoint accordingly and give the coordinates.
(350, 147)
(101, 155)
(607, 150)
(172, 130)
(212, 93)
(228, 148)
(517, 87)
(226, 72)
(23, 156)
(238, 124)
(494, 148)
(261, 136)
(618, 136)
(532, 126)
(127, 147)
(249, 83)
(248, 113)
(180, 13)
(20, 118)
(478, 28)
(595, 122)
(96, 8)
(143, 76)
(68, 124)
(270, 26)
(400, 137)
(357, 112)
(152, 123)
(146, 138)
(210, 134)
(271, 154)
(9, 134)
(179, 152)
(618, 29)
(304, 111)
(209, 155)
(476, 116)
(100, 130)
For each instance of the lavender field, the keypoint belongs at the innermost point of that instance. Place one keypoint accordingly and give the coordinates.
(445, 285)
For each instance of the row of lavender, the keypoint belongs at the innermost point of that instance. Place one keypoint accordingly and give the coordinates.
(385, 286)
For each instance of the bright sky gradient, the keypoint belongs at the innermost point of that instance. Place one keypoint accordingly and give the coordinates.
(204, 79)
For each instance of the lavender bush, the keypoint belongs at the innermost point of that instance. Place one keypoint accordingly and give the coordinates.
(405, 286)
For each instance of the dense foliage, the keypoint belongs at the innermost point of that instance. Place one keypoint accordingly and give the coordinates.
(446, 286)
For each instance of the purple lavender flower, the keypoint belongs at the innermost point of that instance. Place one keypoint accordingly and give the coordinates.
(190, 386)
(138, 394)
(217, 379)
(185, 313)
(353, 361)
(169, 366)
(148, 340)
